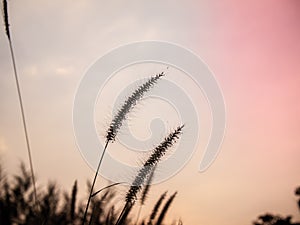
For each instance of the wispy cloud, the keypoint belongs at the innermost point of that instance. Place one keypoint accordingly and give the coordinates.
(64, 71)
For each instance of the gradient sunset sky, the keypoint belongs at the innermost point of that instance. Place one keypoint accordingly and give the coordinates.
(253, 49)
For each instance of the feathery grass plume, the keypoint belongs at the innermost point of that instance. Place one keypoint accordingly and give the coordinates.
(73, 201)
(129, 103)
(156, 208)
(145, 192)
(5, 18)
(117, 122)
(144, 172)
(165, 209)
(7, 30)
(154, 158)
(147, 186)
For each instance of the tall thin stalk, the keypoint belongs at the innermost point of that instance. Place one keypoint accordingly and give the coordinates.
(7, 30)
(93, 184)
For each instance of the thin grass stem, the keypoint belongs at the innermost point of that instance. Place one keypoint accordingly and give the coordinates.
(93, 184)
(7, 30)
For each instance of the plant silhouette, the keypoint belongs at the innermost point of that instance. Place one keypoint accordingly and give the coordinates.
(271, 219)
(56, 207)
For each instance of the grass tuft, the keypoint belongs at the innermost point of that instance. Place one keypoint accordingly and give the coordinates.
(129, 103)
(116, 124)
(154, 158)
(165, 209)
(145, 171)
(156, 208)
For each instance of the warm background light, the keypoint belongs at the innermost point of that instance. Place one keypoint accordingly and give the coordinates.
(253, 49)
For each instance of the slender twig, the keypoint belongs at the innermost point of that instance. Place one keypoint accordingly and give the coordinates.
(6, 22)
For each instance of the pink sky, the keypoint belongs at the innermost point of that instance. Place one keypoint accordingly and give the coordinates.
(252, 47)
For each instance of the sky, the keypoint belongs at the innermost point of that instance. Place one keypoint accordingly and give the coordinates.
(252, 48)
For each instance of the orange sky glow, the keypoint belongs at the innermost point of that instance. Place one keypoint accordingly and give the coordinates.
(253, 49)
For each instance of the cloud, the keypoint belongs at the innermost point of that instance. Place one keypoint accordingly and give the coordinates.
(64, 71)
